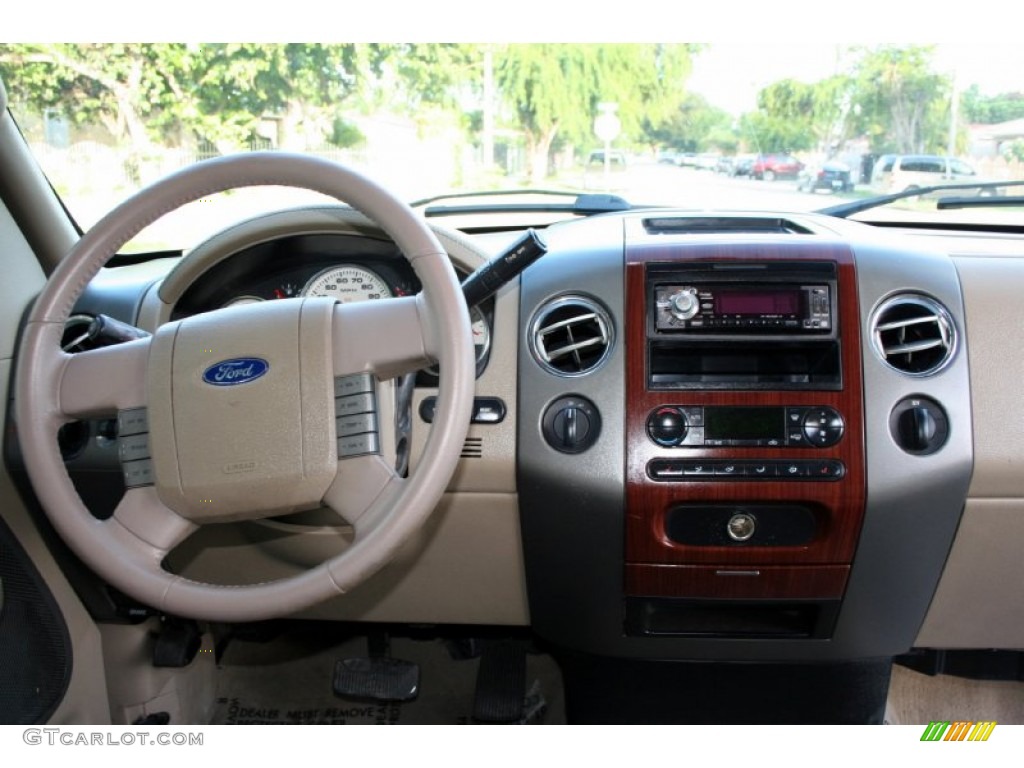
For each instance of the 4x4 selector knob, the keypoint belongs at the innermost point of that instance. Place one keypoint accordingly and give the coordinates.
(684, 303)
(667, 425)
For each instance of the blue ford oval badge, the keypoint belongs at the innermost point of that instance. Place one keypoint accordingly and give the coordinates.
(240, 370)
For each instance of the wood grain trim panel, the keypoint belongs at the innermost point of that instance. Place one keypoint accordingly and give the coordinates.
(819, 582)
(647, 501)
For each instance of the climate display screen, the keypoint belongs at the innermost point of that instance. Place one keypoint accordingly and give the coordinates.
(757, 303)
(744, 423)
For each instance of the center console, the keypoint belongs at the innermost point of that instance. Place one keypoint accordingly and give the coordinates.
(745, 485)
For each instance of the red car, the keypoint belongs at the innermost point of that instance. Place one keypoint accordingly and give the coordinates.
(776, 166)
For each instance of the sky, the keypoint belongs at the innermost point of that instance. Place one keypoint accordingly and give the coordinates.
(731, 74)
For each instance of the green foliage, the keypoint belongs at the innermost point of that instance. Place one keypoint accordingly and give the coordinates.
(555, 89)
(903, 103)
(987, 110)
(695, 126)
(345, 134)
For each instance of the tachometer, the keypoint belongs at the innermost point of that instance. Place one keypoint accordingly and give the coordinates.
(348, 283)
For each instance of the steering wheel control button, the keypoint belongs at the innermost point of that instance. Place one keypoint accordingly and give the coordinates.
(571, 424)
(134, 421)
(346, 406)
(356, 424)
(667, 426)
(741, 526)
(358, 445)
(133, 447)
(138, 473)
(355, 410)
(353, 385)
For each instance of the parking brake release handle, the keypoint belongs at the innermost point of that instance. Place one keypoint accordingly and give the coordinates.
(486, 280)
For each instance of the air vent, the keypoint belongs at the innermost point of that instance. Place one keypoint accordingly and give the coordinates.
(914, 334)
(571, 336)
(473, 448)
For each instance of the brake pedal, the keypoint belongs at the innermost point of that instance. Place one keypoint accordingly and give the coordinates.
(377, 677)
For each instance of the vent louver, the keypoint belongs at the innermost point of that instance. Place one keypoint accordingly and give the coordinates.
(571, 336)
(914, 334)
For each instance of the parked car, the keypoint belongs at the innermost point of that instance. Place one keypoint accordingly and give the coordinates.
(668, 157)
(616, 159)
(830, 176)
(742, 165)
(896, 173)
(775, 166)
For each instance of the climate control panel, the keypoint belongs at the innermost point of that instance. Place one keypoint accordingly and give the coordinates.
(790, 426)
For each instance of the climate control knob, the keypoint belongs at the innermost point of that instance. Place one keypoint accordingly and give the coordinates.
(667, 426)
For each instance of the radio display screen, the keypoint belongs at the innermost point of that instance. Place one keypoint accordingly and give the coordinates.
(744, 423)
(759, 303)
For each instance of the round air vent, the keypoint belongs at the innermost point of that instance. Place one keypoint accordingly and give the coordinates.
(914, 334)
(571, 336)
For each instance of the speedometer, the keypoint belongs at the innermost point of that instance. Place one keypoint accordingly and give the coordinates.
(348, 283)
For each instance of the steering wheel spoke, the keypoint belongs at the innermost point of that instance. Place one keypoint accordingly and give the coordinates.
(362, 484)
(102, 381)
(142, 514)
(359, 327)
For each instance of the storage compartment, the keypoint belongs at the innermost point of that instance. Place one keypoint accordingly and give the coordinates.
(744, 365)
(668, 617)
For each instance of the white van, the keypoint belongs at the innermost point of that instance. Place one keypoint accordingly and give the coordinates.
(896, 173)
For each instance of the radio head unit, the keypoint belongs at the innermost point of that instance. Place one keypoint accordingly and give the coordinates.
(729, 324)
(748, 298)
(743, 307)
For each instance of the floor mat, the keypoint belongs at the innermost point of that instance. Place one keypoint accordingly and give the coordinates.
(288, 680)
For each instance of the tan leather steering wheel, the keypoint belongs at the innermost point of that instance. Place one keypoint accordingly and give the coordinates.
(241, 404)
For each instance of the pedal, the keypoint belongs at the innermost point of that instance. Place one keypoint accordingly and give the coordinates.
(380, 679)
(501, 682)
(377, 677)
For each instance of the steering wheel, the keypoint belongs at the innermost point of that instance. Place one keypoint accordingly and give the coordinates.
(237, 408)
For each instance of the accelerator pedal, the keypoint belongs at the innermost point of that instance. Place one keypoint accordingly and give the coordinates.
(378, 676)
(501, 681)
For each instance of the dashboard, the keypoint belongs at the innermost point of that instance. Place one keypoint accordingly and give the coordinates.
(727, 437)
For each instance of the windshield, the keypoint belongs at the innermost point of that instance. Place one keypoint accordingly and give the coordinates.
(730, 126)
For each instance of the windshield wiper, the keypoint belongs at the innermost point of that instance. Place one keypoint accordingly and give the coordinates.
(845, 210)
(582, 204)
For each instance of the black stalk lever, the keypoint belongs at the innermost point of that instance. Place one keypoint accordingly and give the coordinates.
(486, 280)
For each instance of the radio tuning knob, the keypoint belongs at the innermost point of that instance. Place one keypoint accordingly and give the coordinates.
(684, 304)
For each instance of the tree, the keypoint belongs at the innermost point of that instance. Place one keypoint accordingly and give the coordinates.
(554, 89)
(120, 86)
(987, 110)
(695, 126)
(137, 91)
(903, 102)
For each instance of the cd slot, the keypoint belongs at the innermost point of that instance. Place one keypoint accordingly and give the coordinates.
(736, 365)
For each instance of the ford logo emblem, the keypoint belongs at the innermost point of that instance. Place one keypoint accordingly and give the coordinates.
(240, 370)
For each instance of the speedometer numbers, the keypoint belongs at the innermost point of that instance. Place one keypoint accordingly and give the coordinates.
(348, 283)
